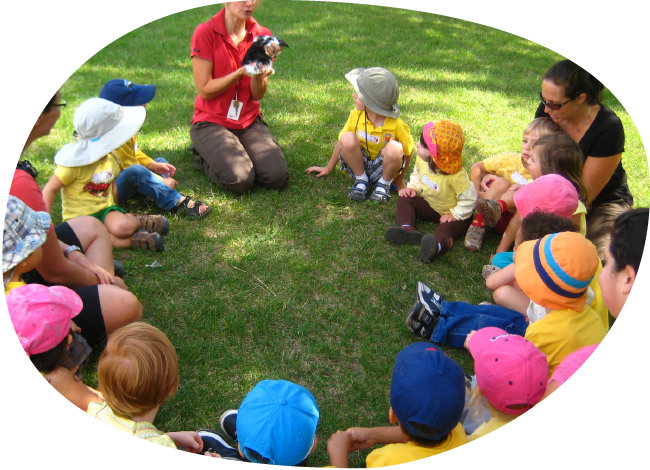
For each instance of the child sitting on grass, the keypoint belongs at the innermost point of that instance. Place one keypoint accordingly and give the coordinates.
(275, 424)
(43, 320)
(86, 170)
(427, 395)
(24, 234)
(511, 376)
(137, 373)
(438, 191)
(141, 174)
(496, 175)
(375, 146)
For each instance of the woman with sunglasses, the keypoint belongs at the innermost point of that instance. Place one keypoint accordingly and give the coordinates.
(571, 97)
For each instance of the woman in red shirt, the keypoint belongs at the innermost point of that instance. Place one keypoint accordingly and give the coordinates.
(233, 144)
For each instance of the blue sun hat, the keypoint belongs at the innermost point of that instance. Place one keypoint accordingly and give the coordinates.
(25, 230)
(277, 421)
(127, 93)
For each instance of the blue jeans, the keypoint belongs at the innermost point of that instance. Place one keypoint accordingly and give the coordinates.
(137, 179)
(457, 319)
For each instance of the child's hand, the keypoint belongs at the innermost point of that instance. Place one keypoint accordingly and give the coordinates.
(189, 439)
(212, 454)
(467, 339)
(447, 218)
(165, 169)
(360, 438)
(407, 192)
(320, 170)
(515, 187)
(487, 181)
(338, 447)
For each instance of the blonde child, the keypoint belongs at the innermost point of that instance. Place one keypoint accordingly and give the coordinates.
(427, 396)
(86, 170)
(438, 191)
(552, 154)
(43, 320)
(375, 145)
(24, 234)
(511, 376)
(137, 373)
(496, 175)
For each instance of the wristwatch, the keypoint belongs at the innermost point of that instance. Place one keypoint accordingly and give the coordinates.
(70, 249)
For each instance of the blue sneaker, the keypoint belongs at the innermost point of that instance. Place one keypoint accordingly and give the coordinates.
(228, 423)
(214, 442)
(423, 316)
(431, 300)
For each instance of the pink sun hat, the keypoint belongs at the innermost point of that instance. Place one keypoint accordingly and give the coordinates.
(510, 371)
(41, 315)
(549, 193)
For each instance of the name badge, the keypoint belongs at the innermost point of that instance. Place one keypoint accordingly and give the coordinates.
(517, 178)
(235, 110)
(431, 184)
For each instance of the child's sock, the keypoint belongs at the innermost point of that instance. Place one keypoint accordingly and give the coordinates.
(503, 206)
(362, 180)
(383, 182)
(478, 221)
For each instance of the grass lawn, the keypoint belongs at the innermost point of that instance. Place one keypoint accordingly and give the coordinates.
(299, 284)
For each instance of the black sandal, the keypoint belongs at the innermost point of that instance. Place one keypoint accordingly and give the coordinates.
(194, 211)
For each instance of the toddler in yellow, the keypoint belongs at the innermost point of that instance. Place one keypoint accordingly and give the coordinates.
(438, 191)
(87, 168)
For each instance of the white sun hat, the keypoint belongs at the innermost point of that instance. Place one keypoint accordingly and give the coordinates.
(100, 126)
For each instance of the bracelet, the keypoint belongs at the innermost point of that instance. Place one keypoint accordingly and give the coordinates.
(70, 249)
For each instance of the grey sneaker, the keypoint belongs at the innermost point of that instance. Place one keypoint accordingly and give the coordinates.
(488, 270)
(381, 193)
(359, 191)
(474, 238)
(489, 210)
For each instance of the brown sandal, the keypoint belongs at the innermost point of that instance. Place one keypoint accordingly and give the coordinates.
(147, 241)
(154, 223)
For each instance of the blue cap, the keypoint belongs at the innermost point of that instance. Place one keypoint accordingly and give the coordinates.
(427, 388)
(278, 420)
(126, 93)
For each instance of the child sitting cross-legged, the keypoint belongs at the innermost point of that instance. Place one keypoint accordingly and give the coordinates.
(511, 376)
(427, 395)
(137, 373)
(275, 425)
(43, 320)
(86, 171)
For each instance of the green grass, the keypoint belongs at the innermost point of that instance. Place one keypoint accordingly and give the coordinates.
(299, 284)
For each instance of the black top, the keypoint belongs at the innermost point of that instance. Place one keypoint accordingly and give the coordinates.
(604, 138)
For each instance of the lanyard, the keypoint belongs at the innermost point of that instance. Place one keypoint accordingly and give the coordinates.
(235, 67)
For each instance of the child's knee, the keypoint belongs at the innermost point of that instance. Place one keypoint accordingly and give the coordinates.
(348, 141)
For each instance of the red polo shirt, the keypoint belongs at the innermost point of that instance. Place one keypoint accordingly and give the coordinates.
(210, 41)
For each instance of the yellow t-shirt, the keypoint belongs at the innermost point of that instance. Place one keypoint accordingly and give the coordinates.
(129, 154)
(13, 285)
(439, 190)
(377, 138)
(598, 304)
(146, 431)
(492, 425)
(562, 332)
(582, 210)
(505, 164)
(87, 189)
(395, 454)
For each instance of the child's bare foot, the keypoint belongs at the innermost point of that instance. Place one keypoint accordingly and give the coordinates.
(191, 208)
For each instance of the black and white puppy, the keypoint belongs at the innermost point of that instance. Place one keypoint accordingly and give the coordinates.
(261, 54)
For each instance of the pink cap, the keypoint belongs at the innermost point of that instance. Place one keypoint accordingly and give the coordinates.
(571, 363)
(41, 315)
(510, 370)
(549, 193)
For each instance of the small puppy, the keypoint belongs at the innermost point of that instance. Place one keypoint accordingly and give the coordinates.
(261, 54)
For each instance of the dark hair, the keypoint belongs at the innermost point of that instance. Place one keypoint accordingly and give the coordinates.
(432, 165)
(538, 224)
(575, 80)
(423, 441)
(561, 155)
(50, 103)
(627, 238)
(59, 356)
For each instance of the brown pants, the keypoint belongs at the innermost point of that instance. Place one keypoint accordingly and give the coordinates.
(599, 222)
(238, 158)
(411, 208)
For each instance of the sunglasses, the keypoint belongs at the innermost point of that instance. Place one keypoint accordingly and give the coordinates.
(61, 104)
(553, 106)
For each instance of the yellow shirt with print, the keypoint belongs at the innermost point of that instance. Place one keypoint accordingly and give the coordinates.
(439, 190)
(377, 138)
(129, 154)
(562, 332)
(395, 454)
(87, 189)
(505, 164)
